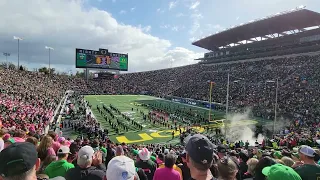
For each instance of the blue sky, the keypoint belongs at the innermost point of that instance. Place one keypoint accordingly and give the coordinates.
(153, 32)
(174, 20)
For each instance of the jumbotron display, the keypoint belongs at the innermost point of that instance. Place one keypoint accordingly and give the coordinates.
(102, 59)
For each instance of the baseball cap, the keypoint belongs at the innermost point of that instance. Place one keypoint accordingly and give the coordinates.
(134, 152)
(307, 150)
(279, 171)
(200, 149)
(222, 148)
(277, 154)
(121, 168)
(17, 159)
(86, 152)
(63, 150)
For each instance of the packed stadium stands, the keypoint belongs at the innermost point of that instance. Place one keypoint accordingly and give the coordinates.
(258, 72)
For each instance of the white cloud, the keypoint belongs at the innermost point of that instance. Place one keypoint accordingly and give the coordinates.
(175, 28)
(172, 4)
(165, 26)
(213, 27)
(195, 5)
(160, 10)
(180, 15)
(74, 24)
(238, 18)
(192, 39)
(146, 29)
(195, 22)
(132, 9)
(123, 12)
(178, 56)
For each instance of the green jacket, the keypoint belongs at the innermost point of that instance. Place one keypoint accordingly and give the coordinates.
(58, 168)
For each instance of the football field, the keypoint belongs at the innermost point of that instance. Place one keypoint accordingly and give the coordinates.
(131, 105)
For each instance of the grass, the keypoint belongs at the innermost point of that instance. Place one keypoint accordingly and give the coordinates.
(150, 133)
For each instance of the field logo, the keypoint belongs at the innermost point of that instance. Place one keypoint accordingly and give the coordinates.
(155, 135)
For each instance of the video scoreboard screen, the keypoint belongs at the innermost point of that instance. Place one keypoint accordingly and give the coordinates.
(102, 59)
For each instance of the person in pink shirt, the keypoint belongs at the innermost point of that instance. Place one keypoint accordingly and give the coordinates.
(55, 144)
(19, 136)
(167, 173)
(45, 148)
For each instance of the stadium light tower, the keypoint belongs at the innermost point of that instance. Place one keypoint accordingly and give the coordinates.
(6, 55)
(49, 48)
(276, 103)
(19, 39)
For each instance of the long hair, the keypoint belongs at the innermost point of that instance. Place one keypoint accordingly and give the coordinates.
(43, 147)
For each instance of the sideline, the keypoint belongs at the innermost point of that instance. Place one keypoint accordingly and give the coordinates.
(47, 128)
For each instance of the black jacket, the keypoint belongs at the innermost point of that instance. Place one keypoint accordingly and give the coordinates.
(91, 173)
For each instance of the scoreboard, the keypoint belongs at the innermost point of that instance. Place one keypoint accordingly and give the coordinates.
(102, 59)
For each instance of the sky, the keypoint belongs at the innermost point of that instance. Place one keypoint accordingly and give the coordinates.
(156, 34)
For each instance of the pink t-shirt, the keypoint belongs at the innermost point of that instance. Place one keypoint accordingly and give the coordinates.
(55, 145)
(51, 152)
(167, 174)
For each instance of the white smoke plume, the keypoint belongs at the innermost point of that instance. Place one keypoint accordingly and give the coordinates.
(244, 133)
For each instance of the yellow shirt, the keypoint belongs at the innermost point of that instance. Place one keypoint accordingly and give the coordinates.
(175, 167)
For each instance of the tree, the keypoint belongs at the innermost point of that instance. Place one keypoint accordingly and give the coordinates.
(46, 70)
(79, 74)
(12, 66)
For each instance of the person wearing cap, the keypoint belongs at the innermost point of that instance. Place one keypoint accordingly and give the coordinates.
(144, 162)
(199, 157)
(280, 172)
(168, 172)
(222, 150)
(60, 167)
(307, 168)
(121, 167)
(19, 161)
(88, 162)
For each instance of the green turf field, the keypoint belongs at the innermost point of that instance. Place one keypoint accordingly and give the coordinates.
(151, 133)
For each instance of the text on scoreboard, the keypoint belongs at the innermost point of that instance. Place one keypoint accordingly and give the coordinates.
(102, 59)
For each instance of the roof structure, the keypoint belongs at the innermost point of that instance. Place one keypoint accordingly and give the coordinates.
(296, 19)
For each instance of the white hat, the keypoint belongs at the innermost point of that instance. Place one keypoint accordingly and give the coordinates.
(121, 168)
(86, 152)
(307, 150)
(63, 150)
(166, 151)
(144, 154)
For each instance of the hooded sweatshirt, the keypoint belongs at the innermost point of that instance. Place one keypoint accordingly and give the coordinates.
(58, 168)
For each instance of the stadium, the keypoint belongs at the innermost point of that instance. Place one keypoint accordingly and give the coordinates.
(253, 97)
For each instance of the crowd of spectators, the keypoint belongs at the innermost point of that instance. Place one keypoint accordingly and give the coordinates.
(29, 99)
(252, 84)
(198, 159)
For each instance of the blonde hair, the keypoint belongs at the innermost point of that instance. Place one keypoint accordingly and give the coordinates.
(43, 147)
(227, 168)
(279, 161)
(287, 161)
(45, 143)
(252, 163)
